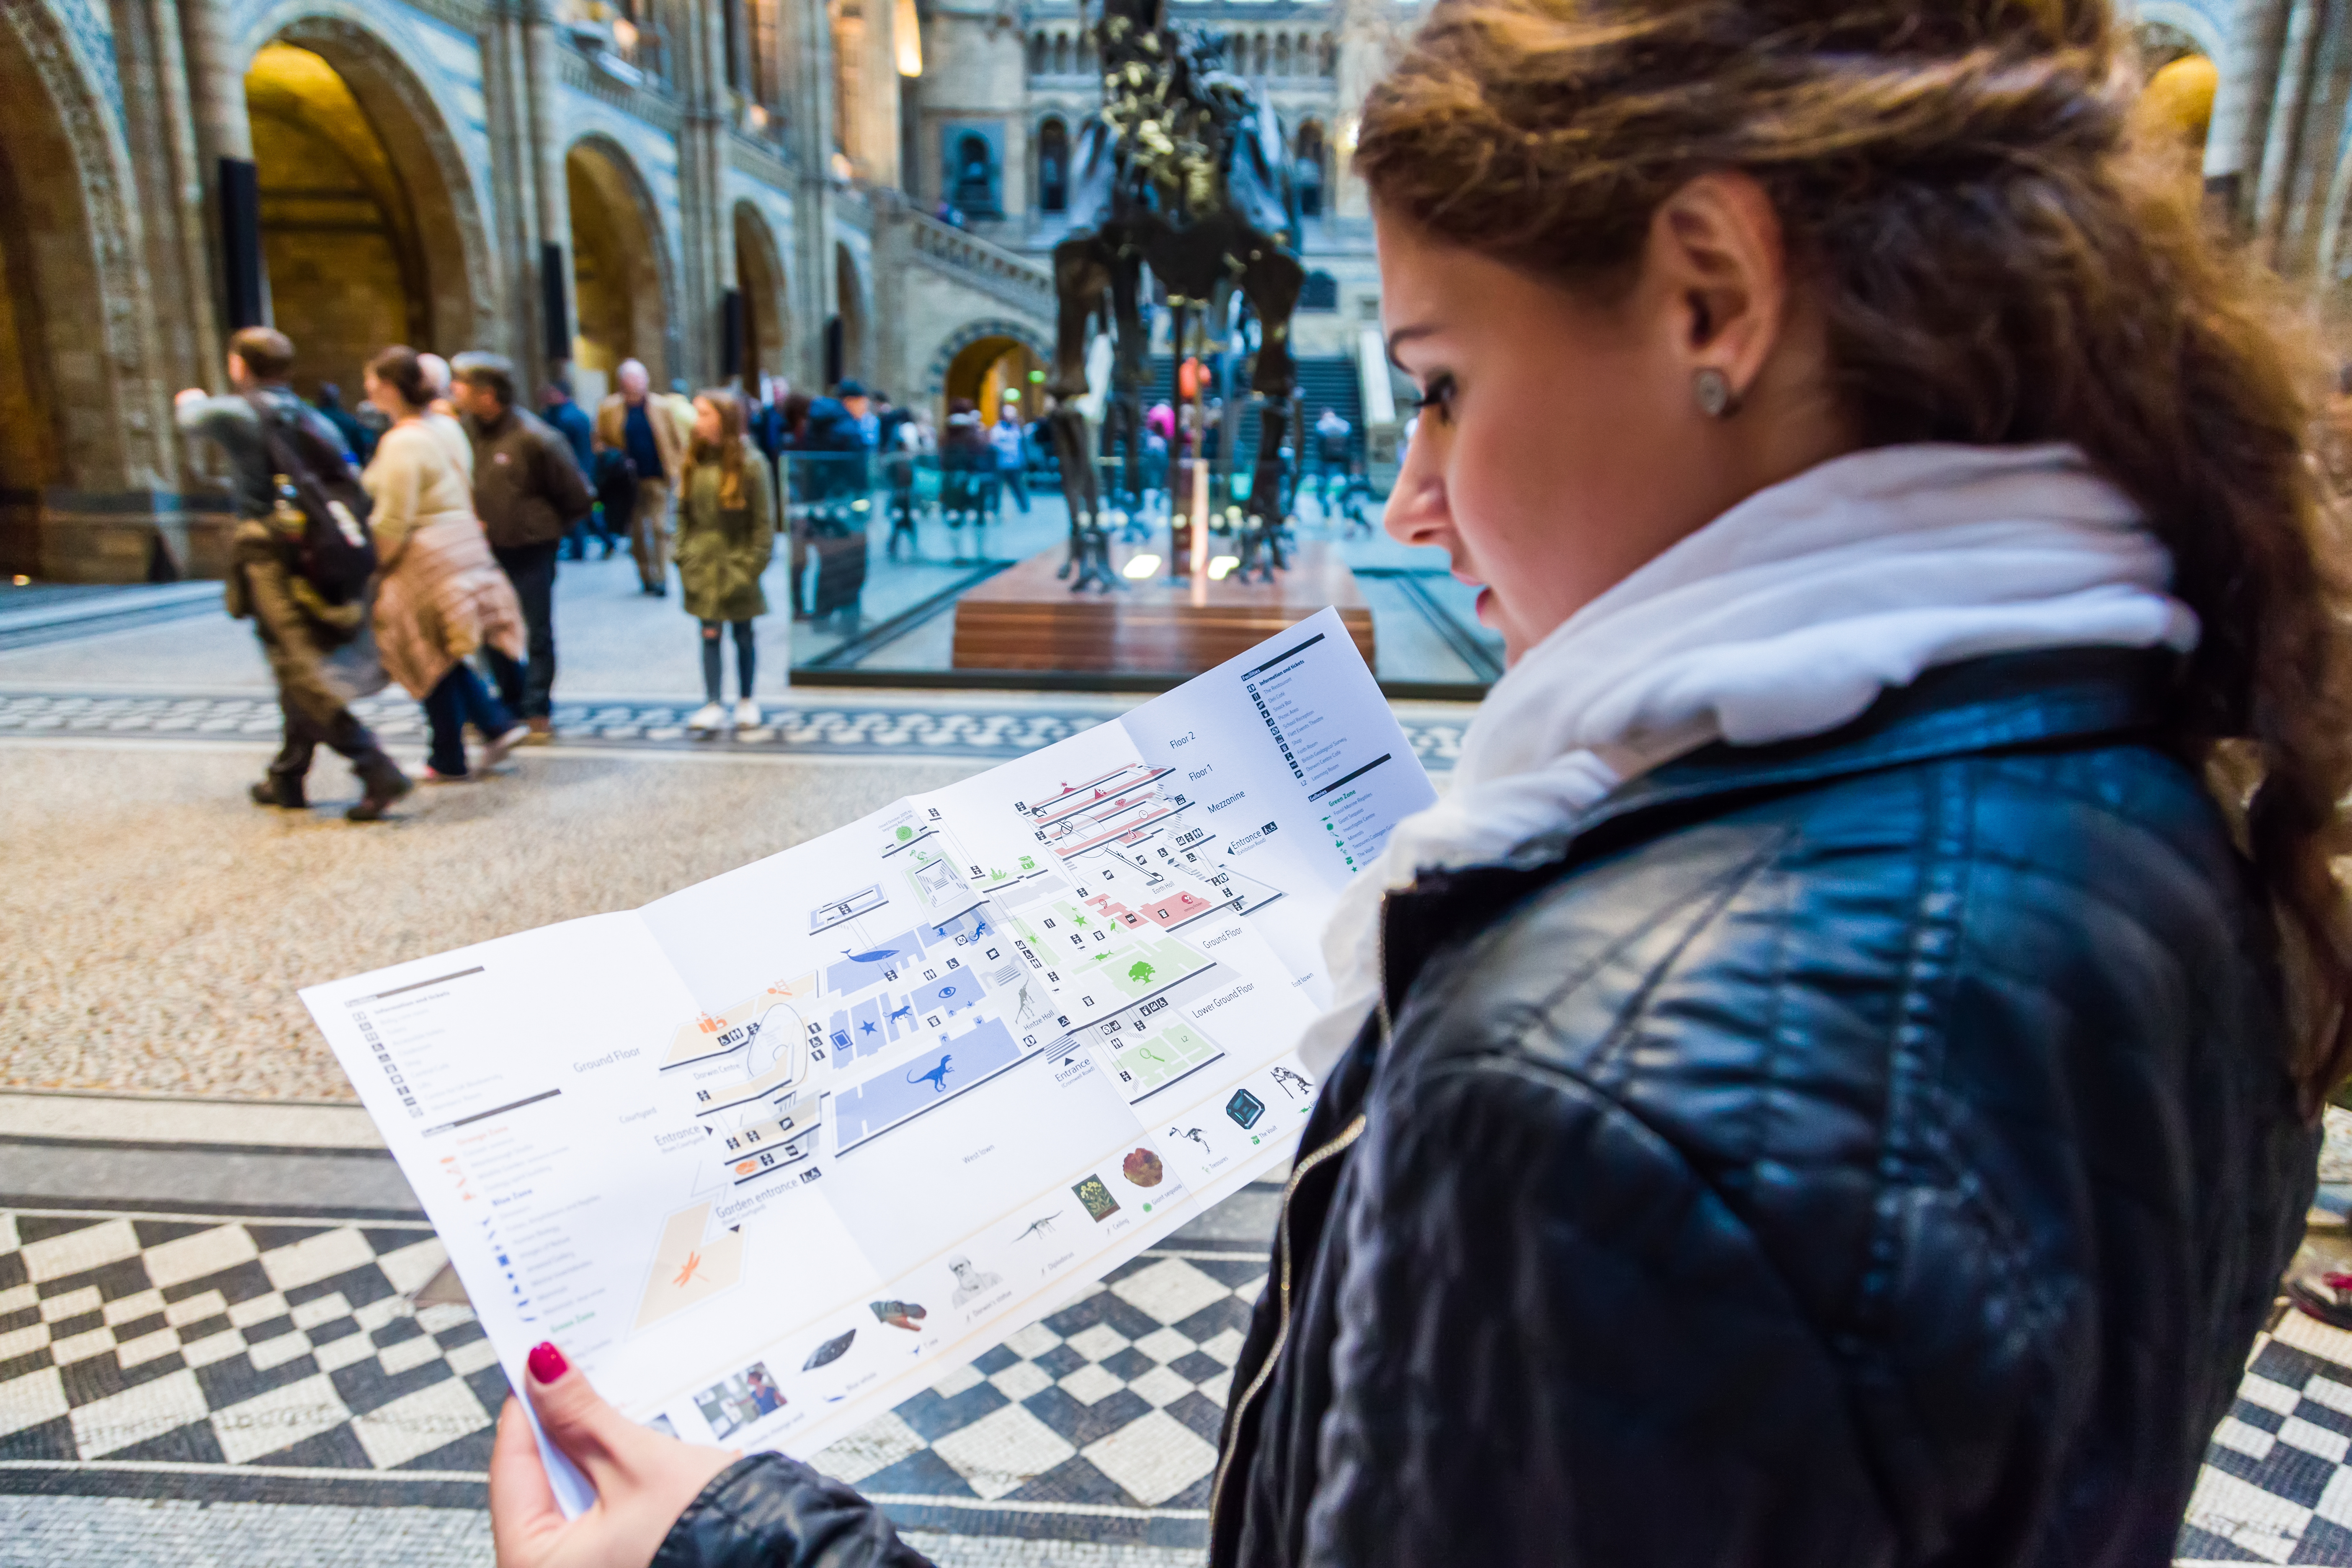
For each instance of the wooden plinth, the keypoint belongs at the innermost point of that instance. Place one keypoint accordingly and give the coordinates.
(1027, 618)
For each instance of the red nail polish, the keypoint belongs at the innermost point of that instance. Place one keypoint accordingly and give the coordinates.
(547, 1363)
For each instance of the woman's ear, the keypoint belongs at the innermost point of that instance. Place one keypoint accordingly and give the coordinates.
(1716, 255)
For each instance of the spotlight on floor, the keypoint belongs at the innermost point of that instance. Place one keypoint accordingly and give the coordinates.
(1221, 566)
(1139, 567)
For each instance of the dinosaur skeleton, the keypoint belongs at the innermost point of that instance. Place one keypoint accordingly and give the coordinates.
(1182, 171)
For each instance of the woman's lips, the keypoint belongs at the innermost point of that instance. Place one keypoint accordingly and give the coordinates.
(1485, 603)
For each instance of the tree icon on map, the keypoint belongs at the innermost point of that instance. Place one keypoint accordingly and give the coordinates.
(1142, 974)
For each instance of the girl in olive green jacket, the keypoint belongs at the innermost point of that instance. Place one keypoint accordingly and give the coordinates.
(726, 534)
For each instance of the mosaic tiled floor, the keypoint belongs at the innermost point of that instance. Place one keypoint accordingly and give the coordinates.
(814, 724)
(242, 1361)
(150, 1355)
(2275, 1487)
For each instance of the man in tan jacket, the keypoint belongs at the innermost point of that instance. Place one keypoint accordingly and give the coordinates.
(652, 429)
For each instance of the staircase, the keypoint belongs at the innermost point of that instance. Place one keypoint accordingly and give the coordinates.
(1325, 381)
(977, 263)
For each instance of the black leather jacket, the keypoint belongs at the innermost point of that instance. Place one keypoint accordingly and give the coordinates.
(1867, 1151)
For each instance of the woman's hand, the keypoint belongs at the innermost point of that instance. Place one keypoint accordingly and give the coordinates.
(643, 1479)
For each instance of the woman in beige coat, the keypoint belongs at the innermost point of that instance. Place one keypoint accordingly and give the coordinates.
(442, 595)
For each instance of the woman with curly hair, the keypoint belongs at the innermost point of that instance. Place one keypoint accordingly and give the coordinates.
(1834, 1081)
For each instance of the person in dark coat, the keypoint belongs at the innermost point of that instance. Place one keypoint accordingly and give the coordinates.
(832, 451)
(1834, 1080)
(968, 477)
(529, 491)
(357, 437)
(571, 421)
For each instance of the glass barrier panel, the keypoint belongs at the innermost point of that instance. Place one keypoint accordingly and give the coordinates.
(880, 546)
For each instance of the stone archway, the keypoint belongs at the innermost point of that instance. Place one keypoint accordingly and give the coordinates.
(81, 410)
(767, 321)
(371, 231)
(986, 369)
(620, 273)
(980, 358)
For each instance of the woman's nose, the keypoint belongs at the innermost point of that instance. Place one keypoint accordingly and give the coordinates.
(1416, 511)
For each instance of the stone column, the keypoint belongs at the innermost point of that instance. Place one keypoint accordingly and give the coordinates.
(2303, 244)
(2283, 142)
(2242, 106)
(1366, 36)
(879, 130)
(216, 106)
(808, 42)
(894, 261)
(506, 103)
(551, 198)
(707, 266)
(190, 294)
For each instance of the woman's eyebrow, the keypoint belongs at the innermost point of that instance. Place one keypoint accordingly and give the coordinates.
(1406, 335)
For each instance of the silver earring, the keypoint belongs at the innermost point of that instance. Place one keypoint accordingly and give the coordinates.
(1714, 390)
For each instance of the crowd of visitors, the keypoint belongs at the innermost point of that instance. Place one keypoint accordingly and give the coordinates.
(462, 503)
(543, 487)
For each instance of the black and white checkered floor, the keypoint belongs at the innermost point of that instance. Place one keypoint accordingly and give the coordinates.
(2275, 1487)
(244, 1361)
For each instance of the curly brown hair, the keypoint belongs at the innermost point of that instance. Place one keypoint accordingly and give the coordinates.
(1997, 263)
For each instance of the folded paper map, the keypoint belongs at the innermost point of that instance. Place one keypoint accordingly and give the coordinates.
(769, 1155)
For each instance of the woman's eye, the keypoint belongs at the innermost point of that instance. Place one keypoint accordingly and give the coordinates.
(1439, 396)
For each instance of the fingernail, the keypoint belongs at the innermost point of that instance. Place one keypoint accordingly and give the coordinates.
(547, 1363)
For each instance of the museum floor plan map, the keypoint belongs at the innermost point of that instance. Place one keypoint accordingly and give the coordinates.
(768, 1153)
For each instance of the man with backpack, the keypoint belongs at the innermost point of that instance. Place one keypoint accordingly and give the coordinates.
(300, 564)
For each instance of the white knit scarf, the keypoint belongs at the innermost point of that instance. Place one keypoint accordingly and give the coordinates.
(1785, 616)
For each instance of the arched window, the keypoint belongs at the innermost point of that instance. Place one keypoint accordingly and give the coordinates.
(1306, 169)
(1060, 54)
(975, 173)
(1036, 54)
(1261, 54)
(1282, 54)
(1331, 53)
(1053, 167)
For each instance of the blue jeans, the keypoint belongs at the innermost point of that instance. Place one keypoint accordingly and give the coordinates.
(461, 696)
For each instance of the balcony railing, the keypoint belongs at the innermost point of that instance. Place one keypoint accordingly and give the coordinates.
(958, 252)
(634, 53)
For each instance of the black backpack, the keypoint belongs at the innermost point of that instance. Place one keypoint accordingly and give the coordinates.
(334, 552)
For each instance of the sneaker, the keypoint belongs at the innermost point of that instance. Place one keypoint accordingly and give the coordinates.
(434, 775)
(2325, 1295)
(543, 733)
(709, 716)
(495, 750)
(746, 714)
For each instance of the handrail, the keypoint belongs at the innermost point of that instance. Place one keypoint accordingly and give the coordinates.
(952, 250)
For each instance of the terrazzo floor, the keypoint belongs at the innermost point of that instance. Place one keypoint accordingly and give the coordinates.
(156, 925)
